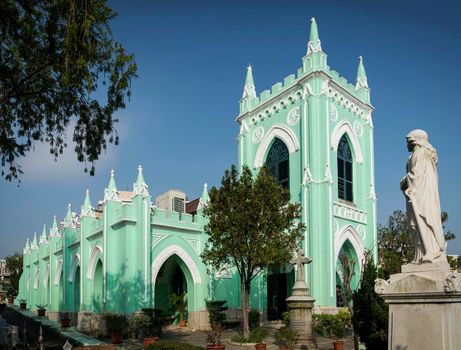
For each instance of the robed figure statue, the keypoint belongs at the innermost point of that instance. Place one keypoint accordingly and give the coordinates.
(420, 187)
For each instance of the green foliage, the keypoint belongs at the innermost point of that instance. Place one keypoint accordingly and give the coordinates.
(14, 265)
(22, 301)
(395, 243)
(370, 318)
(251, 224)
(60, 66)
(140, 323)
(285, 337)
(336, 326)
(286, 318)
(257, 335)
(254, 317)
(179, 304)
(116, 323)
(173, 345)
(157, 320)
(216, 309)
(41, 306)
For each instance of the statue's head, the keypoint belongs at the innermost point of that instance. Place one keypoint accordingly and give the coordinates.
(416, 137)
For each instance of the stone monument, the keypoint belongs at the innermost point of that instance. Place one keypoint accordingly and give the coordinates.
(425, 298)
(300, 305)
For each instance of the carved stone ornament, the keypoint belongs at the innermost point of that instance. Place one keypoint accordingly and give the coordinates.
(293, 116)
(258, 134)
(358, 128)
(333, 112)
(451, 285)
(380, 285)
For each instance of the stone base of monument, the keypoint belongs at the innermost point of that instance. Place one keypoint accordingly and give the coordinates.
(300, 305)
(424, 307)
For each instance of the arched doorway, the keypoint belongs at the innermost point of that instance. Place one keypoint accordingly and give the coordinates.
(173, 277)
(347, 273)
(98, 288)
(76, 291)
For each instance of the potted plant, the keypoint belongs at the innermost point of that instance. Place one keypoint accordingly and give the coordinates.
(254, 317)
(258, 335)
(141, 325)
(286, 338)
(41, 309)
(179, 304)
(22, 304)
(10, 293)
(115, 324)
(65, 318)
(216, 313)
(335, 326)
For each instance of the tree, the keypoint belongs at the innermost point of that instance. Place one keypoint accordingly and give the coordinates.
(251, 225)
(57, 61)
(14, 266)
(370, 316)
(395, 242)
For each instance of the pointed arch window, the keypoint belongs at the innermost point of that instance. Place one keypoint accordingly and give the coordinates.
(278, 162)
(345, 176)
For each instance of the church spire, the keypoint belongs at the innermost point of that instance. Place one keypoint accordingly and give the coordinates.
(249, 92)
(87, 208)
(140, 187)
(111, 192)
(362, 83)
(361, 75)
(43, 235)
(249, 89)
(54, 229)
(68, 220)
(34, 242)
(27, 247)
(205, 196)
(315, 58)
(314, 45)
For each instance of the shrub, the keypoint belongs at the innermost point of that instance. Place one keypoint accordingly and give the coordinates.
(257, 335)
(286, 318)
(287, 338)
(115, 323)
(173, 345)
(370, 317)
(254, 317)
(336, 326)
(140, 323)
(157, 320)
(216, 313)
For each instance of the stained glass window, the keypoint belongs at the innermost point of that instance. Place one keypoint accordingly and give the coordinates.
(278, 163)
(345, 170)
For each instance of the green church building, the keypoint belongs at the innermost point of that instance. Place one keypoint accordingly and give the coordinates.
(314, 131)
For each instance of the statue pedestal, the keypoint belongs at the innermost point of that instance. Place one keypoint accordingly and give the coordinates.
(300, 305)
(424, 307)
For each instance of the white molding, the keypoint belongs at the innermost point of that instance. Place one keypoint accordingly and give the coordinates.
(57, 276)
(73, 268)
(181, 253)
(36, 278)
(46, 276)
(282, 132)
(96, 254)
(344, 127)
(350, 234)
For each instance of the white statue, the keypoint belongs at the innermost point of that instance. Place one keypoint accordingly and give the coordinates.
(420, 187)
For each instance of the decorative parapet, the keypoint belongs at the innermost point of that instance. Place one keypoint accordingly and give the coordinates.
(348, 212)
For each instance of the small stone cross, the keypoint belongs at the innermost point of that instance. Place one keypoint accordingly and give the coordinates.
(299, 261)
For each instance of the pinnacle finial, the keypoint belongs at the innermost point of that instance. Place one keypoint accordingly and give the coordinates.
(361, 75)
(249, 90)
(205, 196)
(314, 34)
(140, 187)
(139, 168)
(112, 173)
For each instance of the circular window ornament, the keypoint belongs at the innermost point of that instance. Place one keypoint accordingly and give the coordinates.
(293, 116)
(258, 134)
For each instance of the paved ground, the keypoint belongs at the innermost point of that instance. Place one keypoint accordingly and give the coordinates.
(199, 338)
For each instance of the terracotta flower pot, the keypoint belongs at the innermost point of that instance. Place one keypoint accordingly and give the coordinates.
(41, 313)
(65, 322)
(260, 346)
(148, 341)
(22, 306)
(182, 323)
(117, 338)
(215, 347)
(338, 345)
(10, 300)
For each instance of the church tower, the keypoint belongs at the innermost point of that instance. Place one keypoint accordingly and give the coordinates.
(315, 131)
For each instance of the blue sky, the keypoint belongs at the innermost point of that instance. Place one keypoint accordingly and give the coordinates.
(191, 55)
